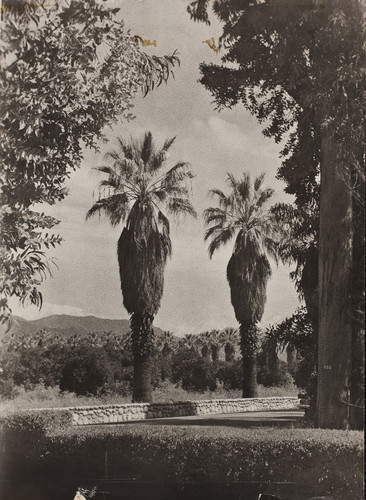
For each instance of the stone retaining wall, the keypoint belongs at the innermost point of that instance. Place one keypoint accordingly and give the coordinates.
(86, 415)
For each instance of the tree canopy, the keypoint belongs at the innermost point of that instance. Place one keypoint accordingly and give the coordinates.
(68, 70)
(141, 194)
(299, 68)
(283, 60)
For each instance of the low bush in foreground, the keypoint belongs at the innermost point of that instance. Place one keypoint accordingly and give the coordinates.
(318, 462)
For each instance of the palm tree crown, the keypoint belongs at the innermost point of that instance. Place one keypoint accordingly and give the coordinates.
(140, 193)
(242, 214)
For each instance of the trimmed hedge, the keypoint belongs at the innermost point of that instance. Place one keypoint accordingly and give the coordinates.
(319, 462)
(24, 435)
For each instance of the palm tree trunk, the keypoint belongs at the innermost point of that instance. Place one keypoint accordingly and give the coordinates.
(248, 346)
(142, 344)
(229, 352)
(335, 272)
(215, 353)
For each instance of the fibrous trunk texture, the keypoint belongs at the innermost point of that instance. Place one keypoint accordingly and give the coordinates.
(248, 346)
(143, 344)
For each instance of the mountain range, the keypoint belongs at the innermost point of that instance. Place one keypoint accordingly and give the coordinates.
(66, 325)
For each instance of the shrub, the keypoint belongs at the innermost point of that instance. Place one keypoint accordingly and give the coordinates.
(193, 372)
(24, 435)
(318, 461)
(231, 374)
(8, 389)
(37, 422)
(87, 372)
(279, 377)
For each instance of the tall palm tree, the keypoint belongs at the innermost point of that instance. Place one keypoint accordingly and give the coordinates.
(189, 342)
(229, 339)
(215, 345)
(204, 342)
(242, 215)
(140, 194)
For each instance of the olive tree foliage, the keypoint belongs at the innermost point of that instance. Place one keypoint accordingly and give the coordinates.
(67, 70)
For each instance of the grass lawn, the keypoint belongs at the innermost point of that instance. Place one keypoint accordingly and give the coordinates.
(51, 397)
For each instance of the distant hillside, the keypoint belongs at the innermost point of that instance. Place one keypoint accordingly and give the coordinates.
(65, 325)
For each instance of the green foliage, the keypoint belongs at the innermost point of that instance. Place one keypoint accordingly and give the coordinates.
(101, 361)
(67, 72)
(231, 374)
(37, 423)
(136, 193)
(242, 214)
(39, 396)
(280, 377)
(319, 462)
(87, 372)
(288, 61)
(24, 439)
(298, 331)
(193, 372)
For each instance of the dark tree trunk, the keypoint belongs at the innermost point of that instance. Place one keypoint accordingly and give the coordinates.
(215, 353)
(206, 352)
(229, 352)
(335, 271)
(142, 344)
(248, 346)
(272, 360)
(357, 394)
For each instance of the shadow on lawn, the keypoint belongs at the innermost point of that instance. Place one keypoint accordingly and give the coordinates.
(288, 419)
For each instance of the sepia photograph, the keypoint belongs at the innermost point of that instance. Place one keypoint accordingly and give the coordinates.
(182, 249)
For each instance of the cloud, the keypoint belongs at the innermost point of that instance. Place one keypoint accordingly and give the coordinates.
(229, 134)
(32, 312)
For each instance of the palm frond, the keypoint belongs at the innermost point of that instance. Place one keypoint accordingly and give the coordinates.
(159, 158)
(180, 172)
(144, 244)
(115, 208)
(105, 169)
(178, 206)
(212, 230)
(243, 188)
(224, 201)
(258, 181)
(257, 237)
(112, 182)
(221, 239)
(147, 148)
(112, 155)
(126, 148)
(168, 143)
(214, 215)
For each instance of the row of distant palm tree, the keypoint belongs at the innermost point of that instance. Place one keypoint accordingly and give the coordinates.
(207, 344)
(139, 193)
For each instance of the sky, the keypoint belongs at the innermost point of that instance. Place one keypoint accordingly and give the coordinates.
(196, 293)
